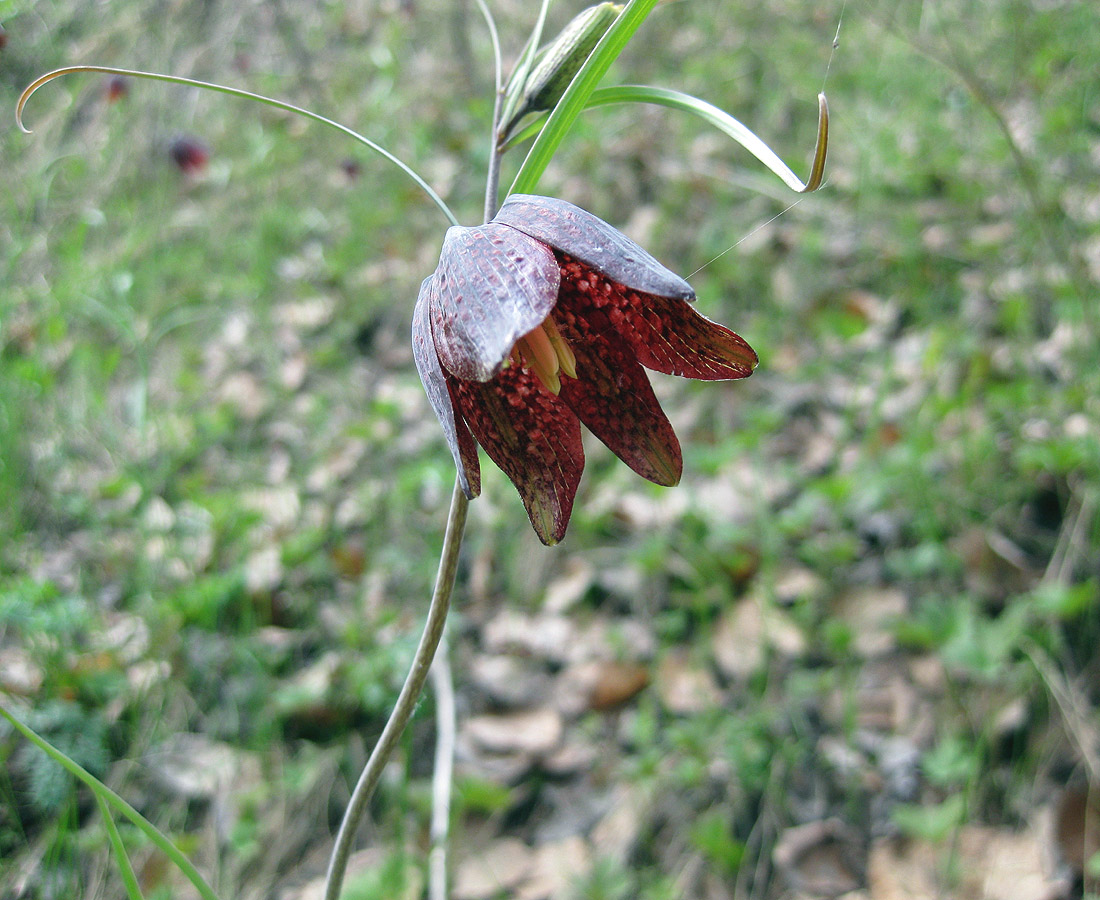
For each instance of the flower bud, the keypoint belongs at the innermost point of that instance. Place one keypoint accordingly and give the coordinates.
(560, 60)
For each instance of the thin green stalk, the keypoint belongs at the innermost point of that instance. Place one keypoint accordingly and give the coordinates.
(494, 39)
(723, 121)
(103, 792)
(133, 889)
(512, 90)
(433, 627)
(492, 181)
(407, 699)
(1052, 234)
(31, 88)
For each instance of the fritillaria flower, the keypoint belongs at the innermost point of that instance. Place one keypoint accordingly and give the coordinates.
(117, 88)
(190, 154)
(543, 319)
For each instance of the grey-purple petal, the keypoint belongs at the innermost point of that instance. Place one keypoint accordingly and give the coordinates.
(590, 240)
(434, 378)
(492, 286)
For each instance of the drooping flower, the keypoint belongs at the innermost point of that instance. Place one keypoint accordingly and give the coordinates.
(190, 154)
(118, 88)
(543, 319)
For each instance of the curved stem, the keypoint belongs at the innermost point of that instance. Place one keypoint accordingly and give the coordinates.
(407, 699)
(31, 88)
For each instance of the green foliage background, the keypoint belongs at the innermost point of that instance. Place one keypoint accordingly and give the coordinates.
(217, 471)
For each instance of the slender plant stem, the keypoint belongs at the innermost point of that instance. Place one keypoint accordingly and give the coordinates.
(442, 771)
(492, 180)
(179, 859)
(1052, 226)
(437, 612)
(31, 88)
(407, 699)
(442, 683)
(125, 868)
(494, 39)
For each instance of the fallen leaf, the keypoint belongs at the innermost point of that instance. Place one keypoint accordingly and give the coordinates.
(19, 673)
(563, 592)
(900, 869)
(616, 683)
(616, 834)
(1077, 826)
(993, 864)
(684, 688)
(508, 681)
(798, 585)
(556, 867)
(263, 570)
(546, 637)
(872, 613)
(745, 632)
(822, 859)
(533, 733)
(499, 868)
(571, 758)
(1001, 864)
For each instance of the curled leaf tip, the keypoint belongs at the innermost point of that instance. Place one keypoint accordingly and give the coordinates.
(33, 87)
(817, 170)
(25, 96)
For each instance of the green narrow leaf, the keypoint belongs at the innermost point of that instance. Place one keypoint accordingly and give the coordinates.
(133, 889)
(723, 121)
(104, 793)
(577, 94)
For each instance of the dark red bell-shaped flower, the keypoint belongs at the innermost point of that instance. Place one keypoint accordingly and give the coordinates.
(190, 154)
(118, 88)
(543, 319)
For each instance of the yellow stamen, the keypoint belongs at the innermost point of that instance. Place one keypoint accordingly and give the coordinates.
(545, 352)
(566, 360)
(540, 357)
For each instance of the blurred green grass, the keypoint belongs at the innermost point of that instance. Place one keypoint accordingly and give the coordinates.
(211, 433)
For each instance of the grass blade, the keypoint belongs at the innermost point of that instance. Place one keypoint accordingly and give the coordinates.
(514, 88)
(105, 794)
(133, 889)
(723, 121)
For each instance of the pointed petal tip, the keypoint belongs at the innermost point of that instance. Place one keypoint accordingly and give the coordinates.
(548, 529)
(670, 477)
(751, 359)
(470, 487)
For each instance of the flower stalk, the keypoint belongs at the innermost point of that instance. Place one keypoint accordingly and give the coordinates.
(407, 699)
